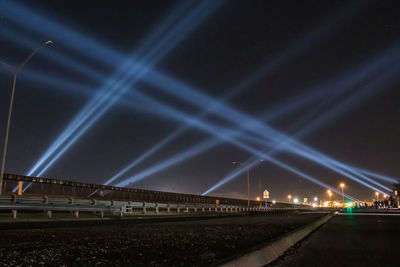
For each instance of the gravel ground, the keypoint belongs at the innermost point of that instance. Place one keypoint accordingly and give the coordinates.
(193, 243)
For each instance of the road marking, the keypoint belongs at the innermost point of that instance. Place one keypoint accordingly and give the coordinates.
(380, 214)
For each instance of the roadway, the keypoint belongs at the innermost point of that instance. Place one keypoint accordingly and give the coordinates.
(358, 239)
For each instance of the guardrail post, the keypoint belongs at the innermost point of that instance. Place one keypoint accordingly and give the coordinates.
(209, 209)
(202, 209)
(144, 207)
(187, 209)
(195, 210)
(156, 208)
(101, 214)
(94, 202)
(14, 198)
(14, 214)
(77, 214)
(49, 213)
(168, 209)
(178, 209)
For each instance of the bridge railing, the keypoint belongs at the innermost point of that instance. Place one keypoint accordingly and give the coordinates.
(49, 205)
(40, 186)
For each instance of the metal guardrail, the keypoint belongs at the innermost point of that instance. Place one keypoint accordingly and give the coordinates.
(40, 186)
(16, 203)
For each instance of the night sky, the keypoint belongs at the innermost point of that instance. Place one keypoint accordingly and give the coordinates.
(307, 43)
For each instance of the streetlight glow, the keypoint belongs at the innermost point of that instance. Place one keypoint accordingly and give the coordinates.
(329, 194)
(342, 186)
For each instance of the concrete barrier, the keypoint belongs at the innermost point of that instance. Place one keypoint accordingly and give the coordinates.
(277, 247)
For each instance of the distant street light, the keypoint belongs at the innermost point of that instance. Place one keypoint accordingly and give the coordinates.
(329, 194)
(289, 197)
(248, 180)
(16, 71)
(295, 200)
(315, 199)
(342, 185)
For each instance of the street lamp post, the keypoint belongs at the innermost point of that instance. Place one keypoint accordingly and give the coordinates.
(16, 71)
(248, 182)
(377, 198)
(330, 195)
(289, 197)
(248, 187)
(342, 186)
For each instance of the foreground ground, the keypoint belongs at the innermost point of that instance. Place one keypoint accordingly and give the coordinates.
(193, 243)
(349, 240)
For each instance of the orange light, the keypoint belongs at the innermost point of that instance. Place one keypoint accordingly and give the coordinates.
(342, 185)
(20, 183)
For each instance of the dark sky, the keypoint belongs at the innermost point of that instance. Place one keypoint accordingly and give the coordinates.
(311, 43)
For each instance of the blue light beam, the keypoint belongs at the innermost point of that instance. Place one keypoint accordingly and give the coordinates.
(103, 101)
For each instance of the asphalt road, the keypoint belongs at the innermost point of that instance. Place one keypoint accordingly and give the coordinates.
(349, 240)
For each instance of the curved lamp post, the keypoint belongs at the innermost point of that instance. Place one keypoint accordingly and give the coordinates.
(16, 71)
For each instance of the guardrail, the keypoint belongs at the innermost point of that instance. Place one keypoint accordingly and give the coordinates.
(39, 186)
(49, 205)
